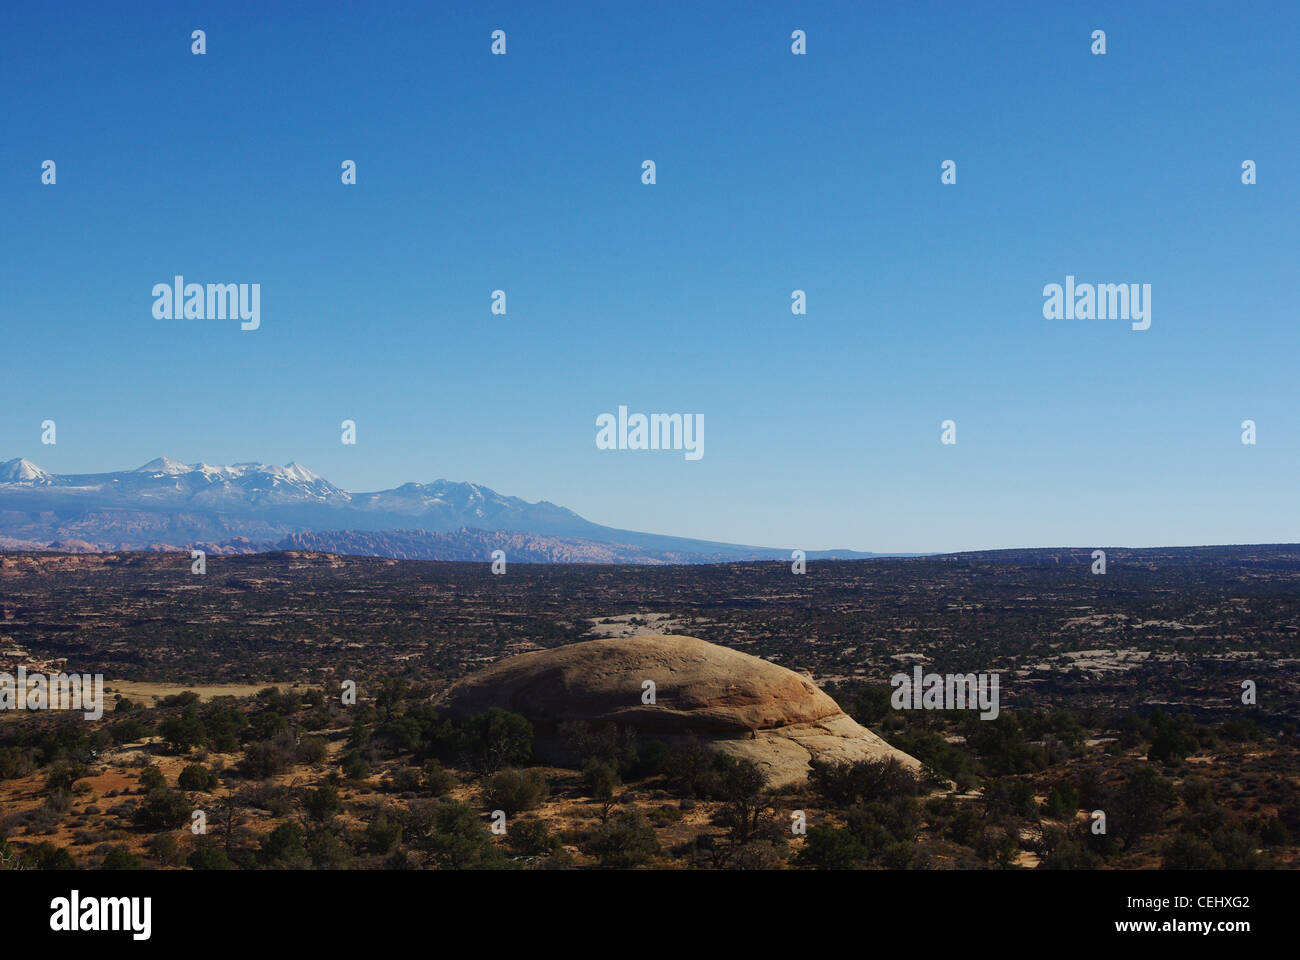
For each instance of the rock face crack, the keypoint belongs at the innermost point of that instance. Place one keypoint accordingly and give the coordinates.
(733, 702)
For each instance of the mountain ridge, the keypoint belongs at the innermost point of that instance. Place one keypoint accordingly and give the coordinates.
(252, 507)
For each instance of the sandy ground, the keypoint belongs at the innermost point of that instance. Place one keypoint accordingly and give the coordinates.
(621, 626)
(150, 693)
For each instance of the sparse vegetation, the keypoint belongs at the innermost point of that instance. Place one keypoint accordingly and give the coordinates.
(293, 778)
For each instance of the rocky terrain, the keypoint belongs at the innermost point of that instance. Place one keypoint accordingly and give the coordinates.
(739, 704)
(478, 694)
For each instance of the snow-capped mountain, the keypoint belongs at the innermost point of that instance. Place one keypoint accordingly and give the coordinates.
(169, 504)
(23, 471)
(170, 482)
(163, 465)
(166, 500)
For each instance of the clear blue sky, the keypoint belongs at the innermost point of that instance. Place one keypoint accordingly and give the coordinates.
(775, 172)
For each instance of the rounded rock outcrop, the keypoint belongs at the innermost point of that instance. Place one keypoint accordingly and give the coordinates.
(734, 702)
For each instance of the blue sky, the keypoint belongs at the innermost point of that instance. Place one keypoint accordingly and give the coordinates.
(775, 172)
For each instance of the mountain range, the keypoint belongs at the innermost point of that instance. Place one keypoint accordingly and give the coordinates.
(256, 507)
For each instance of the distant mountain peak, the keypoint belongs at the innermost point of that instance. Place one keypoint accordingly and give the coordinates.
(168, 502)
(22, 470)
(164, 464)
(296, 471)
(170, 466)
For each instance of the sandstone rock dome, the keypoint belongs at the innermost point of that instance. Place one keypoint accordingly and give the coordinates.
(737, 703)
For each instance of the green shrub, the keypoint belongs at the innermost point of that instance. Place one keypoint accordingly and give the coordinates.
(497, 739)
(283, 846)
(183, 732)
(832, 849)
(46, 856)
(208, 856)
(311, 750)
(532, 838)
(162, 809)
(516, 790)
(382, 834)
(601, 780)
(164, 849)
(196, 777)
(354, 766)
(625, 841)
(120, 858)
(268, 758)
(840, 783)
(328, 852)
(436, 780)
(1062, 800)
(323, 803)
(456, 840)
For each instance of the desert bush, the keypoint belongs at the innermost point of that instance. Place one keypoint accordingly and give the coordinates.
(183, 732)
(63, 774)
(120, 858)
(382, 834)
(1002, 746)
(405, 780)
(601, 780)
(1188, 852)
(840, 783)
(283, 847)
(186, 698)
(997, 845)
(1141, 805)
(46, 856)
(164, 849)
(322, 804)
(942, 760)
(515, 790)
(437, 780)
(831, 849)
(691, 771)
(604, 742)
(878, 826)
(208, 856)
(327, 851)
(311, 750)
(354, 766)
(196, 777)
(496, 739)
(128, 731)
(15, 762)
(666, 815)
(740, 785)
(625, 841)
(758, 855)
(532, 838)
(452, 837)
(654, 758)
(1062, 800)
(1010, 798)
(162, 809)
(57, 801)
(1065, 848)
(268, 758)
